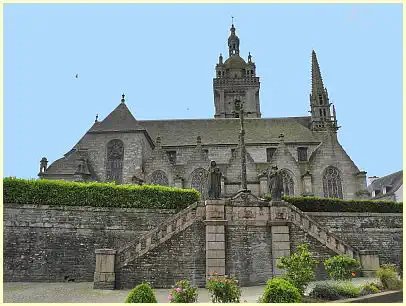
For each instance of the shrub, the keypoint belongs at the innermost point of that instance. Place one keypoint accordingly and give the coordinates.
(143, 293)
(335, 291)
(316, 204)
(369, 288)
(223, 289)
(48, 192)
(182, 292)
(389, 277)
(279, 290)
(341, 267)
(299, 267)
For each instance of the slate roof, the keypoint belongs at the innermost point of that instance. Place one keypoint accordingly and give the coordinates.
(64, 165)
(395, 180)
(120, 119)
(226, 131)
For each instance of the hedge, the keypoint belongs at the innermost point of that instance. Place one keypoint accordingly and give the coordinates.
(316, 204)
(50, 192)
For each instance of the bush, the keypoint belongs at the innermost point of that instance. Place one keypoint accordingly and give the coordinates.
(279, 290)
(47, 192)
(316, 204)
(341, 267)
(143, 293)
(369, 288)
(223, 289)
(335, 291)
(299, 267)
(389, 277)
(183, 293)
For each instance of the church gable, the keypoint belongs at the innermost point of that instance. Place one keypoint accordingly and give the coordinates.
(330, 163)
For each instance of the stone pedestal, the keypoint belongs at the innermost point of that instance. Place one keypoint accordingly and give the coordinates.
(307, 184)
(178, 182)
(263, 186)
(104, 276)
(280, 235)
(369, 263)
(215, 237)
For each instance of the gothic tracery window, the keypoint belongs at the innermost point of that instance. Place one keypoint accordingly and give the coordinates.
(332, 183)
(115, 156)
(288, 184)
(159, 178)
(199, 181)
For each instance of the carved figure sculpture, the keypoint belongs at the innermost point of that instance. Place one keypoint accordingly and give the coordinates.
(214, 181)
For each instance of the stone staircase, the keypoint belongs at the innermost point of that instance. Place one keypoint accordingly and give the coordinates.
(285, 211)
(171, 226)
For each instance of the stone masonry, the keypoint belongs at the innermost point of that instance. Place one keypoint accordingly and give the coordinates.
(244, 237)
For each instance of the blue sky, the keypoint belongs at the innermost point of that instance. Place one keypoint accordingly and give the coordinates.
(163, 56)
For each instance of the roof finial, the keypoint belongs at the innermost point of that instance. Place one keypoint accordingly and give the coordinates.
(97, 117)
(232, 20)
(249, 57)
(122, 98)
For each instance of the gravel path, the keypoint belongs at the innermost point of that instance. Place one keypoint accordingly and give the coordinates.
(84, 293)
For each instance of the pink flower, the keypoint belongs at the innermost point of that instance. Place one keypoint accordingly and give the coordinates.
(170, 297)
(178, 289)
(236, 281)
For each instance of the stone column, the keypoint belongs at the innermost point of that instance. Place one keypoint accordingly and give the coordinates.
(279, 234)
(215, 237)
(104, 276)
(369, 263)
(223, 191)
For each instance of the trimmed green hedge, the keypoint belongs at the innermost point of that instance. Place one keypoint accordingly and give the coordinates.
(48, 192)
(315, 204)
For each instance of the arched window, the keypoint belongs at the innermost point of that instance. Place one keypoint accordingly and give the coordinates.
(198, 181)
(159, 178)
(332, 183)
(288, 184)
(115, 156)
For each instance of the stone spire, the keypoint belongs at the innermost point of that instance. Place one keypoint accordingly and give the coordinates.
(317, 81)
(319, 101)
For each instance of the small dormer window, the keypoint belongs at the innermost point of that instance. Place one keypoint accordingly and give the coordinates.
(302, 153)
(377, 192)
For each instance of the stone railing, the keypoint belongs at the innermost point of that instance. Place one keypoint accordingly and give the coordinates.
(283, 211)
(156, 236)
(236, 81)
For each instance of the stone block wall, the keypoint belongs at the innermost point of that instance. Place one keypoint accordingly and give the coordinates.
(181, 257)
(43, 243)
(367, 231)
(248, 253)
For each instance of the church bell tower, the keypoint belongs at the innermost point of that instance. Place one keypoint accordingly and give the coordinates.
(236, 79)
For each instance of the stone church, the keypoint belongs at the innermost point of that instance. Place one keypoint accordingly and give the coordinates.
(177, 153)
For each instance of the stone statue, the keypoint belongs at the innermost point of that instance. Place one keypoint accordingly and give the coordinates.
(214, 181)
(275, 184)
